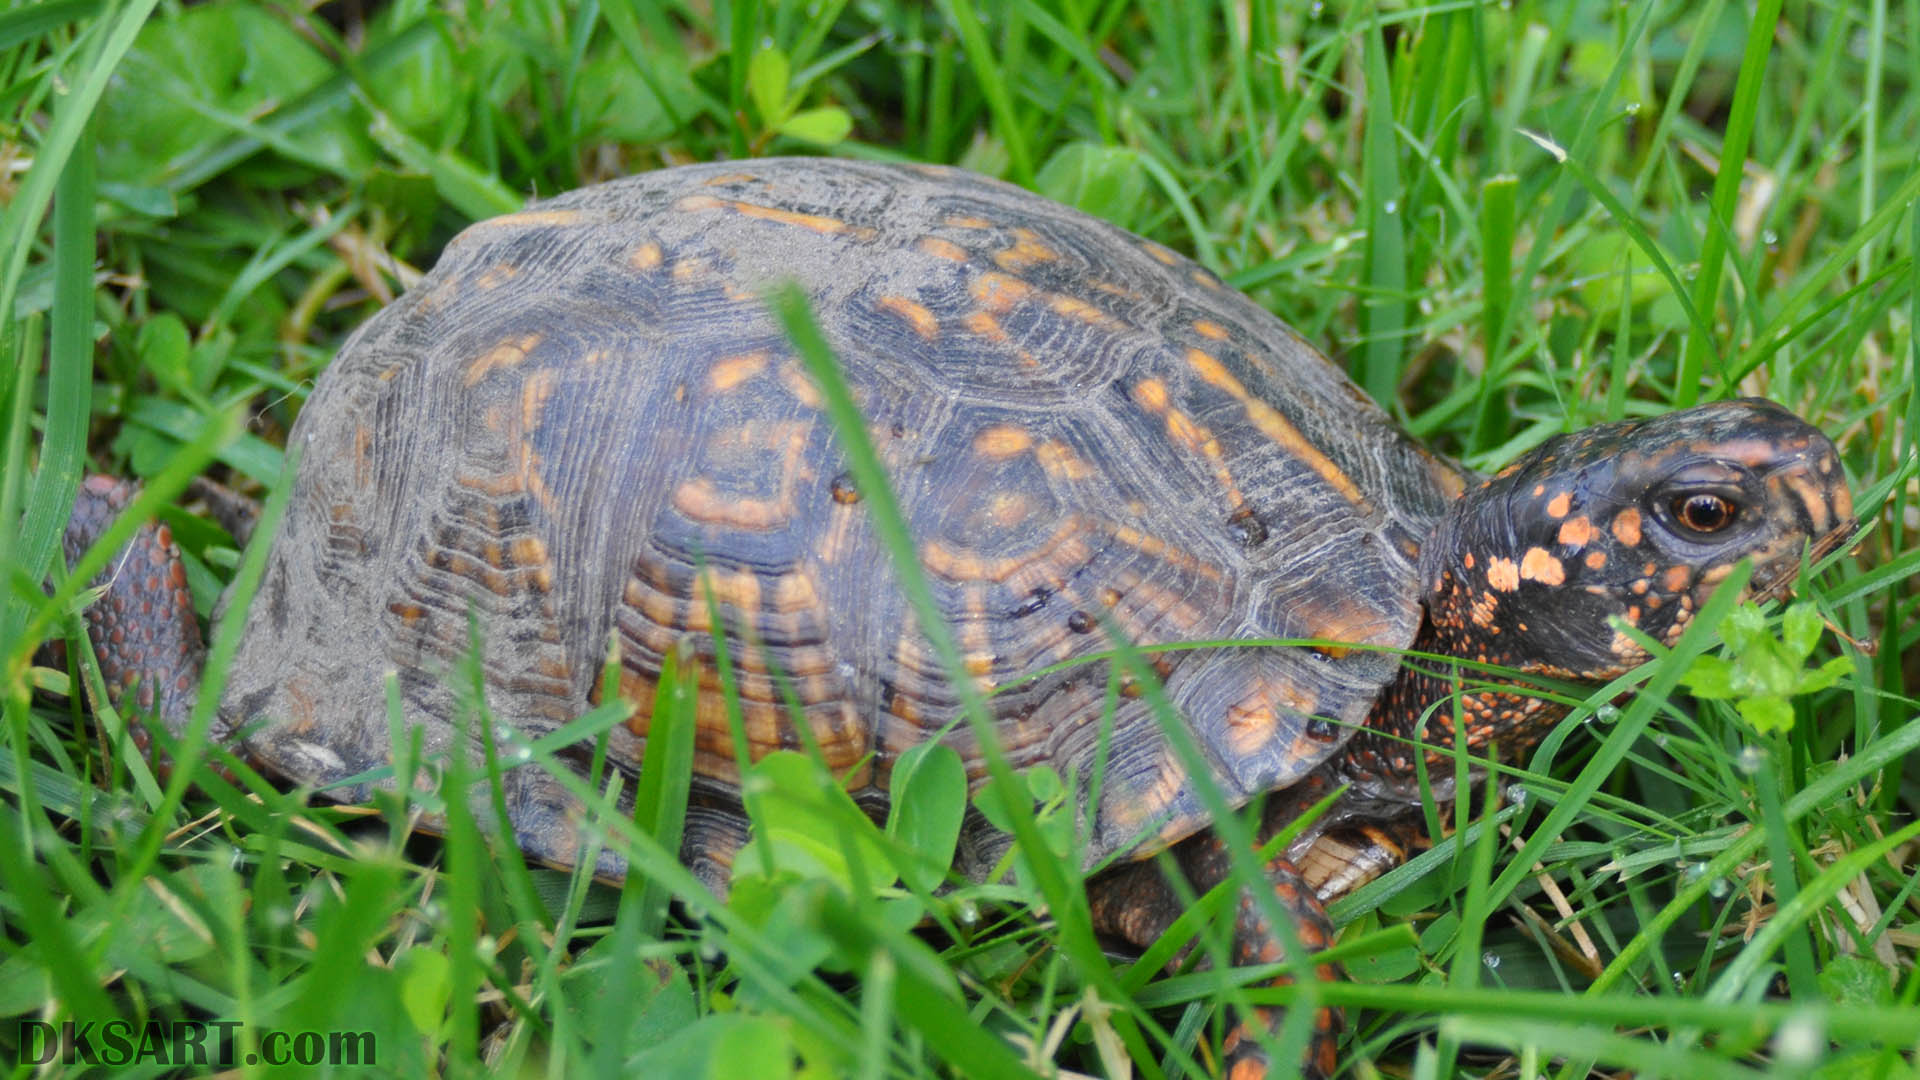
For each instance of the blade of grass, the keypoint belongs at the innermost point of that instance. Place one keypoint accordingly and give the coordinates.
(993, 84)
(1726, 192)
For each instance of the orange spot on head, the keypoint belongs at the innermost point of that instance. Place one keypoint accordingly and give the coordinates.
(1503, 574)
(1576, 532)
(1676, 577)
(1558, 506)
(1626, 527)
(1539, 566)
(645, 257)
(1595, 559)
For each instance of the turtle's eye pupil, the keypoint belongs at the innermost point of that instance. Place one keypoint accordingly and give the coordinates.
(1703, 512)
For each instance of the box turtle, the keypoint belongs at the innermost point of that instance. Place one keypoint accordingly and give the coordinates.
(587, 402)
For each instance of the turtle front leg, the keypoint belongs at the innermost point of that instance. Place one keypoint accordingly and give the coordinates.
(1136, 904)
(143, 629)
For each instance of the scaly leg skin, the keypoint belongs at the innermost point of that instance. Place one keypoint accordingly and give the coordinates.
(143, 629)
(1136, 904)
(236, 513)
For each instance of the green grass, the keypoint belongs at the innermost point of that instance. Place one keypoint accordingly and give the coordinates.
(1506, 221)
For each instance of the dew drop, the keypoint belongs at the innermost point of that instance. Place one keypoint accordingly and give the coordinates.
(1607, 714)
(1491, 959)
(843, 489)
(1517, 794)
(1633, 107)
(1718, 888)
(1391, 206)
(1800, 1041)
(1750, 759)
(969, 912)
(1769, 237)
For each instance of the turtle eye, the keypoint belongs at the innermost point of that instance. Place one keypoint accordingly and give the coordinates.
(1704, 512)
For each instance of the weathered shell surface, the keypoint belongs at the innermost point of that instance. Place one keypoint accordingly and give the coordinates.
(585, 401)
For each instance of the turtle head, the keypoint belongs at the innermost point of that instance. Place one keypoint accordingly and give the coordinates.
(1638, 519)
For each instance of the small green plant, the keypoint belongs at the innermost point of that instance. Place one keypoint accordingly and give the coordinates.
(1763, 673)
(769, 79)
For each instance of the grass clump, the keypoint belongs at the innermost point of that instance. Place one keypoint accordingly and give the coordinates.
(1506, 221)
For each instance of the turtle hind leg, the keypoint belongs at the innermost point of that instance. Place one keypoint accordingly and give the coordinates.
(1135, 903)
(143, 628)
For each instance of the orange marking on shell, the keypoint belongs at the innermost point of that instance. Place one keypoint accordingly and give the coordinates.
(533, 399)
(1061, 463)
(1250, 727)
(732, 178)
(1558, 506)
(739, 590)
(998, 293)
(1009, 508)
(814, 222)
(1537, 565)
(1626, 527)
(1151, 394)
(531, 551)
(497, 276)
(967, 221)
(799, 384)
(1027, 250)
(1503, 574)
(1002, 441)
(1595, 559)
(410, 614)
(1576, 532)
(689, 268)
(943, 249)
(1208, 329)
(917, 315)
(1275, 426)
(1205, 280)
(507, 354)
(1076, 308)
(525, 219)
(645, 257)
(795, 591)
(730, 371)
(1159, 254)
(985, 326)
(699, 500)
